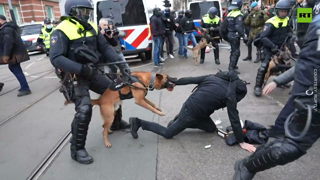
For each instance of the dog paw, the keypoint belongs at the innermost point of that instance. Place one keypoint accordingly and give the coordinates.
(162, 114)
(157, 108)
(110, 132)
(108, 144)
(196, 64)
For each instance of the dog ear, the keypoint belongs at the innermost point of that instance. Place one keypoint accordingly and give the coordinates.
(159, 76)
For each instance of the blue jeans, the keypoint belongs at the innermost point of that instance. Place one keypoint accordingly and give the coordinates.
(157, 41)
(17, 71)
(181, 48)
(192, 39)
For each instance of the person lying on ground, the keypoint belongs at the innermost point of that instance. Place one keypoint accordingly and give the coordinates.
(213, 92)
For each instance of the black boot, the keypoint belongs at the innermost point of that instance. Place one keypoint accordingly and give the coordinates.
(259, 81)
(80, 156)
(24, 93)
(258, 57)
(248, 58)
(118, 123)
(201, 61)
(135, 124)
(1, 86)
(216, 55)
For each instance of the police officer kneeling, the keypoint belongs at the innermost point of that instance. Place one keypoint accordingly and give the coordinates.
(274, 34)
(75, 44)
(210, 23)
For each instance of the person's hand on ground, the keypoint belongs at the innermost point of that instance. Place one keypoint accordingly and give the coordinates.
(248, 147)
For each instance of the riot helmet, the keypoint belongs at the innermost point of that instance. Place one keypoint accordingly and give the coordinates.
(188, 14)
(81, 10)
(281, 7)
(235, 4)
(213, 11)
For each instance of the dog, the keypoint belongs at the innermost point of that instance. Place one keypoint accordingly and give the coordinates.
(278, 63)
(111, 100)
(197, 49)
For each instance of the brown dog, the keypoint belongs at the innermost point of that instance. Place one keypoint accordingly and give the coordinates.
(281, 59)
(110, 101)
(197, 49)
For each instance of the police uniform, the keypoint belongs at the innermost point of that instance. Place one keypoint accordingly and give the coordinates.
(76, 43)
(235, 32)
(44, 36)
(214, 23)
(292, 147)
(272, 37)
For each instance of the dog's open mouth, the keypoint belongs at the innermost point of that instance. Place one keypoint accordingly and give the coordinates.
(170, 86)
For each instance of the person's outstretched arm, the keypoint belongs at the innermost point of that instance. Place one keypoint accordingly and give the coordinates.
(190, 80)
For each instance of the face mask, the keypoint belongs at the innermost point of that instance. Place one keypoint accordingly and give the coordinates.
(49, 26)
(180, 16)
(188, 15)
(158, 14)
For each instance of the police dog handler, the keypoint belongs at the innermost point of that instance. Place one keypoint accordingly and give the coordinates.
(213, 92)
(76, 44)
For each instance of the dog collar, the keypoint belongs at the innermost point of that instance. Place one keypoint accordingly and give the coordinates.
(151, 85)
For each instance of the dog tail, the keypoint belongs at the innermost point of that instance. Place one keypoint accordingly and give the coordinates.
(94, 102)
(186, 47)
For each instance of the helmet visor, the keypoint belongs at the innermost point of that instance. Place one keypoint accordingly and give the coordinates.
(82, 13)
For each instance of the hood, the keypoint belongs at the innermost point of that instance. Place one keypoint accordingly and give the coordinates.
(12, 25)
(227, 75)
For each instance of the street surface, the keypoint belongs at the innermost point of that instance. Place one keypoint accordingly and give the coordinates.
(26, 138)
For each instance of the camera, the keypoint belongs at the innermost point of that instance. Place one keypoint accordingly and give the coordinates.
(108, 31)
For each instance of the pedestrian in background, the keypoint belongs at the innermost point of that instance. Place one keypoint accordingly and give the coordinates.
(13, 52)
(157, 30)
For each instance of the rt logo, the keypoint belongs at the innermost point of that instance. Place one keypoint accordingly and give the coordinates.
(304, 15)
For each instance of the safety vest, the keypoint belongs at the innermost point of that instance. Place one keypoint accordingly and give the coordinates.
(275, 21)
(45, 36)
(71, 30)
(234, 13)
(206, 19)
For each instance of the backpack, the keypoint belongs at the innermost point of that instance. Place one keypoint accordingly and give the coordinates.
(223, 30)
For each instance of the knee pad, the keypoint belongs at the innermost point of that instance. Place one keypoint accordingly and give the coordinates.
(284, 151)
(84, 113)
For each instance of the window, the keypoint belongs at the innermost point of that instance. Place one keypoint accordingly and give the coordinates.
(49, 12)
(30, 29)
(199, 9)
(16, 14)
(2, 11)
(124, 12)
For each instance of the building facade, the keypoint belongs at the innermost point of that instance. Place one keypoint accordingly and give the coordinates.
(26, 11)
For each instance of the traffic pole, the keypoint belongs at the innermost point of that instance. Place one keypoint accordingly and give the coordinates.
(11, 12)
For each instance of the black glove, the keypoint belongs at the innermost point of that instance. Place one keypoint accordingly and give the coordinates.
(125, 71)
(274, 49)
(87, 70)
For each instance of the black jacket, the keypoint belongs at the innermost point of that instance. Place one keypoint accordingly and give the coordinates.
(308, 67)
(62, 50)
(186, 25)
(235, 24)
(214, 93)
(11, 45)
(169, 26)
(178, 21)
(157, 26)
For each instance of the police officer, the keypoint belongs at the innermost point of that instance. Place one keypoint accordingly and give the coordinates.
(210, 24)
(255, 20)
(305, 91)
(75, 46)
(293, 24)
(235, 32)
(275, 32)
(44, 37)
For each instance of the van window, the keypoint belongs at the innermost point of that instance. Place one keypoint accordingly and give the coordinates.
(199, 9)
(124, 12)
(30, 29)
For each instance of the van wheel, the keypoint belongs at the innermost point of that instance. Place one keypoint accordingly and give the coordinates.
(149, 55)
(143, 57)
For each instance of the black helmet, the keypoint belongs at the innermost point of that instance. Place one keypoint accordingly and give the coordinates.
(235, 4)
(79, 9)
(181, 12)
(283, 5)
(47, 21)
(188, 13)
(213, 11)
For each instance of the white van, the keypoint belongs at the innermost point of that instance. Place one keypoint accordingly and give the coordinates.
(130, 16)
(200, 8)
(29, 33)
